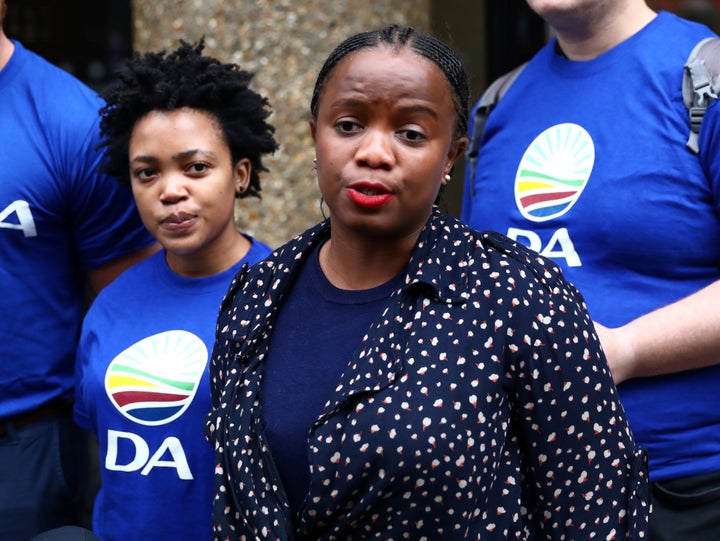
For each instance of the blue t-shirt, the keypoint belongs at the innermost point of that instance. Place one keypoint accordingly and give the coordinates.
(586, 163)
(58, 217)
(143, 389)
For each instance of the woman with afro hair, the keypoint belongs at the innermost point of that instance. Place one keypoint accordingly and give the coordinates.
(188, 135)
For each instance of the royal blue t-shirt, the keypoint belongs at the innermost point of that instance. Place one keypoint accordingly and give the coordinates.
(58, 217)
(143, 389)
(586, 163)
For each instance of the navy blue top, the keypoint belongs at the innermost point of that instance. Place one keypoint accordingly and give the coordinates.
(315, 336)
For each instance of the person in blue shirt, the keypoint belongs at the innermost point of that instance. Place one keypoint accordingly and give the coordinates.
(585, 160)
(393, 374)
(66, 231)
(188, 134)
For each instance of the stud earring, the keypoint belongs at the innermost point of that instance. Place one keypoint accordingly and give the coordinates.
(447, 178)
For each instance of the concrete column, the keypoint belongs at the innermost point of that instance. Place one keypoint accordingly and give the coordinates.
(284, 42)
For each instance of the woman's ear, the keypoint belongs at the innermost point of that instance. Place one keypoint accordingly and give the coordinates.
(313, 128)
(455, 151)
(241, 176)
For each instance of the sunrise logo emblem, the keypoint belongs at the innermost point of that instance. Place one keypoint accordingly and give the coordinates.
(553, 172)
(154, 381)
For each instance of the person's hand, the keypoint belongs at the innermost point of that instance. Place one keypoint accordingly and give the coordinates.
(617, 351)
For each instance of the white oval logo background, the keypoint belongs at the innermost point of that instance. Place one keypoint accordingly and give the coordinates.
(553, 172)
(154, 381)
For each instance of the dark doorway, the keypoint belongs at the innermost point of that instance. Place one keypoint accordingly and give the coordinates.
(514, 34)
(88, 38)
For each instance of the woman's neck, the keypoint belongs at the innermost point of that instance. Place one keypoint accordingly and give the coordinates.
(352, 267)
(210, 260)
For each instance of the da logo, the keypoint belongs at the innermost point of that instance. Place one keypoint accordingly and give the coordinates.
(154, 381)
(553, 172)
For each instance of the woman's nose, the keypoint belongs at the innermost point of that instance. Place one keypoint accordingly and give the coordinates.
(375, 149)
(173, 188)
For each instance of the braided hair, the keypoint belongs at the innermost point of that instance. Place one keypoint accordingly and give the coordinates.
(186, 78)
(398, 37)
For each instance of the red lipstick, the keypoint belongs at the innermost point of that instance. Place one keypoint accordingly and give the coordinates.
(368, 194)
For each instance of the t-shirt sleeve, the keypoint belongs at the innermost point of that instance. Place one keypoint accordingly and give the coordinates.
(105, 219)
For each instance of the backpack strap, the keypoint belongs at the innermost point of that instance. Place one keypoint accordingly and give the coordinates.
(487, 103)
(701, 84)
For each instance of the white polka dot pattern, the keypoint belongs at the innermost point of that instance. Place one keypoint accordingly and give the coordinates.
(478, 407)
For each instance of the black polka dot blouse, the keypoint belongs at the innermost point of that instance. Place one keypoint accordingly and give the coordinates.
(478, 406)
